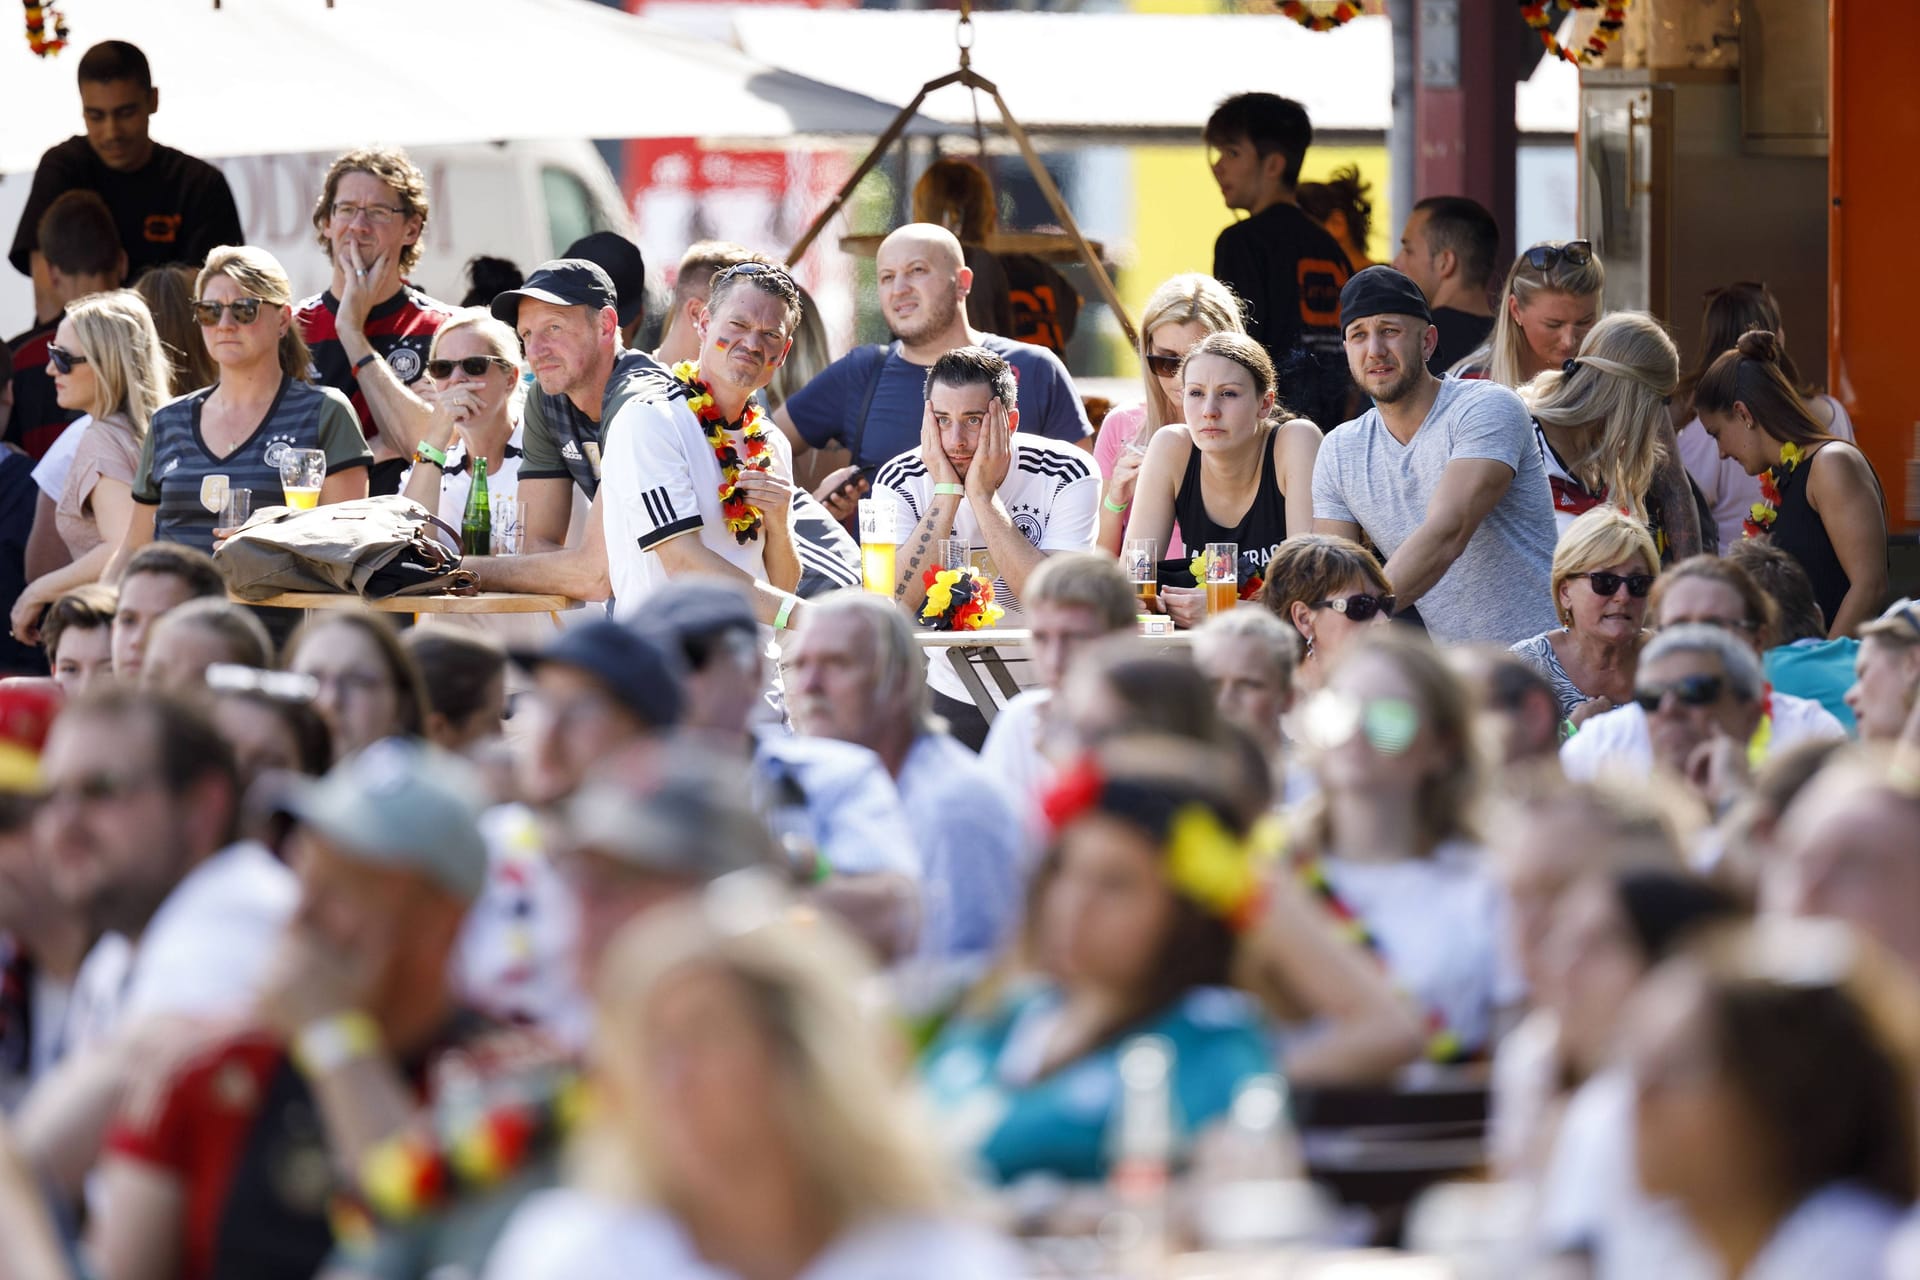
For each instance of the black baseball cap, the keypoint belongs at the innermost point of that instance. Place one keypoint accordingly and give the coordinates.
(1382, 291)
(620, 258)
(642, 675)
(563, 282)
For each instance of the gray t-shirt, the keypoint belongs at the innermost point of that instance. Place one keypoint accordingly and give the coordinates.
(1498, 590)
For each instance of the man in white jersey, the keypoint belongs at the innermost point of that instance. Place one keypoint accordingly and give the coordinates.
(701, 482)
(1015, 497)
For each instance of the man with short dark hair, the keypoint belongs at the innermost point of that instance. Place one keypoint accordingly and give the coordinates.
(1282, 264)
(160, 577)
(1449, 249)
(626, 270)
(79, 253)
(168, 206)
(870, 399)
(1010, 494)
(1443, 476)
(370, 330)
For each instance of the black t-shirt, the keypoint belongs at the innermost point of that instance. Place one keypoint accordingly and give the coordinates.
(1289, 272)
(1461, 333)
(38, 420)
(175, 208)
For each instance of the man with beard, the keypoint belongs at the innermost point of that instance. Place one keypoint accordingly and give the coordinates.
(871, 400)
(1443, 477)
(697, 482)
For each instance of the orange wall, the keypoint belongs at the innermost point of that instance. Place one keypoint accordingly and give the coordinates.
(1872, 363)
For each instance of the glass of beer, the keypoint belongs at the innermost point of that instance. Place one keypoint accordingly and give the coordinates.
(878, 543)
(1223, 576)
(302, 472)
(1139, 558)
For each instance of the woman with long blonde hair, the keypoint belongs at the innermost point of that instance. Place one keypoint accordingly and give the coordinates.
(1181, 312)
(107, 361)
(750, 1124)
(234, 434)
(1605, 434)
(1553, 295)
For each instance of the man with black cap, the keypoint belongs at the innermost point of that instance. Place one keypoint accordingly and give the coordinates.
(620, 258)
(1444, 477)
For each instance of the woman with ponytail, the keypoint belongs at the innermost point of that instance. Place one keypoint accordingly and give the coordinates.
(1819, 498)
(1604, 433)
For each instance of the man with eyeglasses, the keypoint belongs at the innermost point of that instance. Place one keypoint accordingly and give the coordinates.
(370, 330)
(1715, 592)
(138, 823)
(1442, 475)
(1700, 690)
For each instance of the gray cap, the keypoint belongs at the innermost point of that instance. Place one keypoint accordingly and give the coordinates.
(685, 825)
(403, 804)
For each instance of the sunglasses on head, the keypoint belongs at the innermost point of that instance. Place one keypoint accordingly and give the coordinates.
(1164, 366)
(1605, 584)
(1358, 608)
(208, 313)
(1688, 691)
(1545, 257)
(472, 366)
(62, 359)
(753, 269)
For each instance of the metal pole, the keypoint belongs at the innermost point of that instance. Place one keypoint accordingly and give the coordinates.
(1403, 134)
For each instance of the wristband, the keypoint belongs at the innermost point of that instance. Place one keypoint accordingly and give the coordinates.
(365, 360)
(333, 1042)
(424, 452)
(1117, 508)
(786, 612)
(950, 491)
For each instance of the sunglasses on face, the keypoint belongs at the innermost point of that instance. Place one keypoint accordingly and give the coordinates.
(1545, 257)
(1358, 608)
(208, 313)
(472, 366)
(1605, 584)
(1688, 691)
(1164, 366)
(62, 359)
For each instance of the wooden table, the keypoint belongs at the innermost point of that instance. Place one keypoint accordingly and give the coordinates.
(484, 602)
(971, 652)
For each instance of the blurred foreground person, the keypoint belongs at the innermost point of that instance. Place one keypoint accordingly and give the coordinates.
(1886, 682)
(750, 1126)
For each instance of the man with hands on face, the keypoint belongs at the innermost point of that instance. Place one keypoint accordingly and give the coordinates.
(976, 478)
(370, 331)
(700, 481)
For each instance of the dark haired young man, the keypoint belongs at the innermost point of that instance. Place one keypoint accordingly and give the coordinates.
(77, 252)
(1449, 249)
(169, 206)
(1285, 266)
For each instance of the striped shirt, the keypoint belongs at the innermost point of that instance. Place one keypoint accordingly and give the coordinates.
(399, 329)
(175, 461)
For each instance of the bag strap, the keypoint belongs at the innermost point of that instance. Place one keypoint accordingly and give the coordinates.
(866, 402)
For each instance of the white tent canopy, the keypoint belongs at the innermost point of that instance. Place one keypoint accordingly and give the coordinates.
(1116, 72)
(276, 76)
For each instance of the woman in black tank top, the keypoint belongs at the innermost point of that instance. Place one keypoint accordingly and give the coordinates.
(1229, 474)
(1821, 502)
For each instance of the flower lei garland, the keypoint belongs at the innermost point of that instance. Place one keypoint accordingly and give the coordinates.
(1762, 514)
(1539, 16)
(959, 600)
(1320, 19)
(1250, 585)
(1207, 864)
(37, 16)
(743, 518)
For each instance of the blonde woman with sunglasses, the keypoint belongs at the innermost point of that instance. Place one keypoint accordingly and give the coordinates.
(472, 377)
(1553, 295)
(1603, 573)
(106, 361)
(233, 434)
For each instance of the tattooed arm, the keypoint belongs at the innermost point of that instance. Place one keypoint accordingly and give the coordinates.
(1670, 500)
(917, 552)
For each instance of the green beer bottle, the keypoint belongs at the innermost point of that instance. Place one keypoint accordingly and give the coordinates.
(476, 526)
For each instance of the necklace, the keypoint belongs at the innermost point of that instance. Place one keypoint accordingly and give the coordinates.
(1762, 514)
(742, 517)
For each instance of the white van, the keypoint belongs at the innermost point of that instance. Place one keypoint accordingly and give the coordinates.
(524, 201)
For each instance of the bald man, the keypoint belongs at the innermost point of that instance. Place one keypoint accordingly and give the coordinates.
(872, 399)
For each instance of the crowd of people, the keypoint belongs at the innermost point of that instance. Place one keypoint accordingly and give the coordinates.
(726, 930)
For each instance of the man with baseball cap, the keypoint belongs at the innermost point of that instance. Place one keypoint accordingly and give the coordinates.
(356, 1032)
(1443, 476)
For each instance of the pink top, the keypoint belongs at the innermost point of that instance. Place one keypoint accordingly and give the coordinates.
(108, 451)
(1119, 429)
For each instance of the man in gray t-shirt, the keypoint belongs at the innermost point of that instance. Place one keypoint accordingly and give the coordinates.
(1443, 476)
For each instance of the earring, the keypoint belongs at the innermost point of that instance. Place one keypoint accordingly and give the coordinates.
(1309, 639)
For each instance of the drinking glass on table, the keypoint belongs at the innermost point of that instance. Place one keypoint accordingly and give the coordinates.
(1223, 576)
(302, 473)
(508, 533)
(236, 508)
(1140, 558)
(878, 543)
(953, 553)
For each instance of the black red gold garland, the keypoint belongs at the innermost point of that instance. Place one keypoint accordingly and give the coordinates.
(1613, 17)
(1320, 19)
(38, 16)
